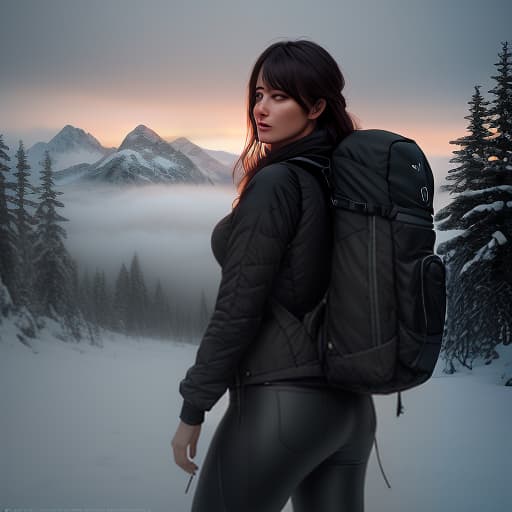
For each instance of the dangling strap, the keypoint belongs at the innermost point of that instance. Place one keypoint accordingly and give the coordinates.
(399, 405)
(378, 459)
(238, 399)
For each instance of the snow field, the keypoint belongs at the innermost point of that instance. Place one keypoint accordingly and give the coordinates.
(88, 427)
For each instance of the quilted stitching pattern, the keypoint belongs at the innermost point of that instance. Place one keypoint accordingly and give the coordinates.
(274, 244)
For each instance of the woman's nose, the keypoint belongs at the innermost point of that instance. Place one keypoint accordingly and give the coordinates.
(261, 108)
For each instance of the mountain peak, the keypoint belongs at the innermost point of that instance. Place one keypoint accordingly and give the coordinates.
(144, 132)
(181, 140)
(70, 131)
(70, 127)
(70, 138)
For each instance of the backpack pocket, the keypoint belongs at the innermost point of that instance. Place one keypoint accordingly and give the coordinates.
(421, 328)
(364, 369)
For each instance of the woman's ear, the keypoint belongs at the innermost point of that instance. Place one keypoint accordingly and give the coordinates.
(317, 109)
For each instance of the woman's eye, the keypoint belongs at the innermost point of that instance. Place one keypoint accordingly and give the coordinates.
(278, 97)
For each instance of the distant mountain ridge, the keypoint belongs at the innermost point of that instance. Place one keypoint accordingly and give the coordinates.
(219, 171)
(142, 157)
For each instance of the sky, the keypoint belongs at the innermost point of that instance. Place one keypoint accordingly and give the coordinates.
(181, 68)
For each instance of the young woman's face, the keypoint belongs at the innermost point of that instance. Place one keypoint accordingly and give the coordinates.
(279, 118)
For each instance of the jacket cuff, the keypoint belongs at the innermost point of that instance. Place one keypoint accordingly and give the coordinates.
(190, 414)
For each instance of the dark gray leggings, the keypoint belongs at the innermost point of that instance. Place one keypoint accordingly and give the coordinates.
(310, 444)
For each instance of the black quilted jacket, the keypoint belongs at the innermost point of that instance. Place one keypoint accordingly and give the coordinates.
(275, 244)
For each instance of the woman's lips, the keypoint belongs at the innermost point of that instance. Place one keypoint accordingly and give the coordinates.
(262, 126)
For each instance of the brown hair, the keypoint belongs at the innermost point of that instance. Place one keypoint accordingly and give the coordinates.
(306, 72)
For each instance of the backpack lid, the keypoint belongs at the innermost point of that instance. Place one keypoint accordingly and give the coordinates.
(379, 167)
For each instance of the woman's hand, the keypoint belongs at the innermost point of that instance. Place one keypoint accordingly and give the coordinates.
(186, 435)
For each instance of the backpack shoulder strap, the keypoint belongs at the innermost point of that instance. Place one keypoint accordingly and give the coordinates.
(314, 167)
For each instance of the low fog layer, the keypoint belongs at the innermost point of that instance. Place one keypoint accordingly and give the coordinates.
(169, 227)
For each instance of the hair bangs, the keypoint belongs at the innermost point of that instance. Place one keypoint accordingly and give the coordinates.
(281, 70)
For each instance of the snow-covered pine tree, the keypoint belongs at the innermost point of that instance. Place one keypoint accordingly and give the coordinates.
(24, 230)
(498, 213)
(498, 174)
(7, 237)
(472, 158)
(467, 175)
(500, 122)
(478, 285)
(53, 266)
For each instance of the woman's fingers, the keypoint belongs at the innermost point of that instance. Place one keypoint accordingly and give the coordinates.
(186, 437)
(181, 459)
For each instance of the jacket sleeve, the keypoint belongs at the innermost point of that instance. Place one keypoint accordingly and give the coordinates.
(263, 224)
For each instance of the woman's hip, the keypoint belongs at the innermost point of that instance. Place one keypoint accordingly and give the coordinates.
(272, 436)
(319, 420)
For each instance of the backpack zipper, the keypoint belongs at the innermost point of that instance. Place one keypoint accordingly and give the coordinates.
(372, 267)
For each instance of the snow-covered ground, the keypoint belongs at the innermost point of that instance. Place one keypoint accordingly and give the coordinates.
(86, 427)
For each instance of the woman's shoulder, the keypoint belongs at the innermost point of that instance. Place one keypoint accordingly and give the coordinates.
(271, 184)
(275, 174)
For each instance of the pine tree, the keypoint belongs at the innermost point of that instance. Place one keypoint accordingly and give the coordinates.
(458, 343)
(498, 214)
(23, 223)
(76, 294)
(160, 313)
(121, 300)
(7, 237)
(53, 283)
(138, 303)
(478, 260)
(498, 174)
(500, 165)
(101, 300)
(472, 158)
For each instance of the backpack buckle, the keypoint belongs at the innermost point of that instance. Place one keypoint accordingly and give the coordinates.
(354, 205)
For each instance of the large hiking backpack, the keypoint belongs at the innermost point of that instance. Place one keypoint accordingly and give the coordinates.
(379, 326)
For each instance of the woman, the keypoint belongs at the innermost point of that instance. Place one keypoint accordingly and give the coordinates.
(285, 433)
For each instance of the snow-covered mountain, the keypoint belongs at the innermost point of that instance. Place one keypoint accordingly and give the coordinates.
(143, 157)
(69, 147)
(218, 171)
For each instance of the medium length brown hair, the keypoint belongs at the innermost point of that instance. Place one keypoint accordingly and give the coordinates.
(306, 72)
